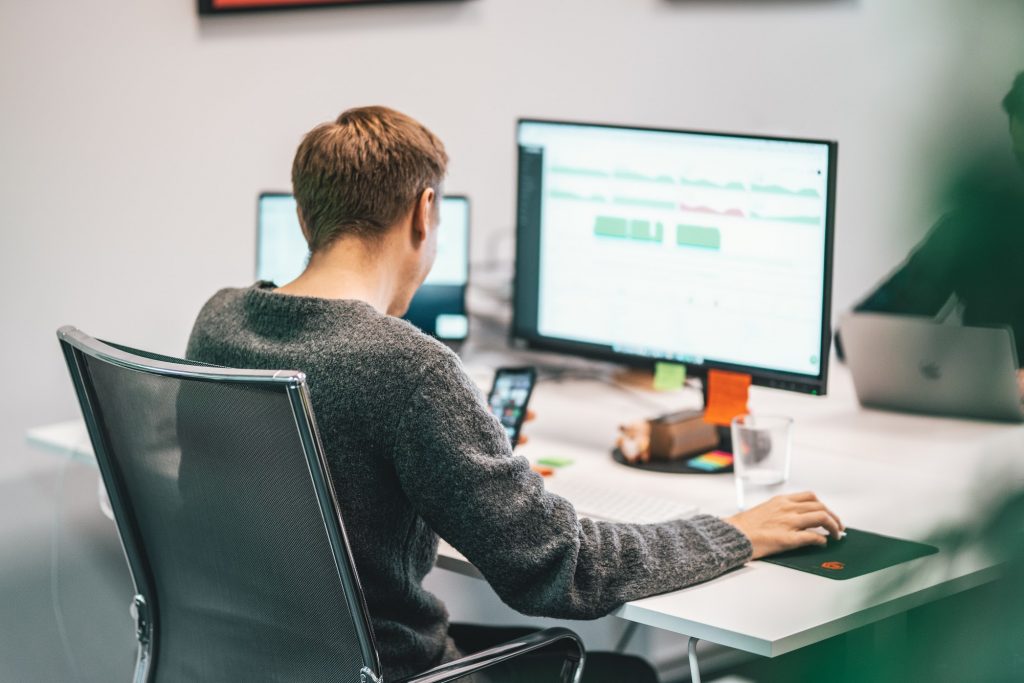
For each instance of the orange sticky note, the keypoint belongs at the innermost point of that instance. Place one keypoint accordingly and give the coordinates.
(727, 396)
(542, 470)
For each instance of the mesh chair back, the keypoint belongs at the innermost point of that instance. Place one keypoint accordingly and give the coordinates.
(227, 518)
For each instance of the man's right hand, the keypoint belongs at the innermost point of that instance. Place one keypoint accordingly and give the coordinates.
(786, 522)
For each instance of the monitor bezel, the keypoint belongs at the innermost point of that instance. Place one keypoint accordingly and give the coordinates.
(270, 194)
(790, 381)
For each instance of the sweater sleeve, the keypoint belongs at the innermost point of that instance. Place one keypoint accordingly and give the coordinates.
(457, 468)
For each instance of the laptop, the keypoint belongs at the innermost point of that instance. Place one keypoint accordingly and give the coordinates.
(917, 365)
(439, 306)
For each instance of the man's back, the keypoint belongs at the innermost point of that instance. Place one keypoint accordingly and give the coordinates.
(413, 450)
(360, 365)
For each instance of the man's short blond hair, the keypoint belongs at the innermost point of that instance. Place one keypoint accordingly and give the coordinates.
(361, 173)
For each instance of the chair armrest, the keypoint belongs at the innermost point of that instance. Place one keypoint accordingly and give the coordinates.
(574, 654)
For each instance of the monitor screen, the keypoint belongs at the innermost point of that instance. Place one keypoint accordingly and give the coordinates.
(712, 250)
(439, 306)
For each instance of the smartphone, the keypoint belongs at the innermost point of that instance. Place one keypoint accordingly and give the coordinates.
(509, 396)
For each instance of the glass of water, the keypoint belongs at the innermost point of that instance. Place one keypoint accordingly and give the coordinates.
(760, 448)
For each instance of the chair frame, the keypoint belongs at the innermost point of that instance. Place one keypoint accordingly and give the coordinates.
(76, 345)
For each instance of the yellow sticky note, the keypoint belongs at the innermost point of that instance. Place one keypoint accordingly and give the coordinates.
(669, 376)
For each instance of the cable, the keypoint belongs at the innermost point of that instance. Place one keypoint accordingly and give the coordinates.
(691, 651)
(599, 375)
(557, 373)
(636, 395)
(627, 635)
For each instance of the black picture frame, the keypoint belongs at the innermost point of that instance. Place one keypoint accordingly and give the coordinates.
(221, 7)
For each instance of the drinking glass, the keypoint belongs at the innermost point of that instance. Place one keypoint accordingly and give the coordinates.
(760, 447)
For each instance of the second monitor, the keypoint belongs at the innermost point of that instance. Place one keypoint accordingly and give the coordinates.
(439, 306)
(714, 250)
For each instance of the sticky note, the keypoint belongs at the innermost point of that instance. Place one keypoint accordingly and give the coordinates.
(710, 462)
(542, 470)
(718, 457)
(554, 462)
(727, 396)
(669, 376)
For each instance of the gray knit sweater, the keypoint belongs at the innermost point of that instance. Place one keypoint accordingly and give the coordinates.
(415, 454)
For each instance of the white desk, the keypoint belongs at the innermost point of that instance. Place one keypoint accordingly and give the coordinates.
(894, 474)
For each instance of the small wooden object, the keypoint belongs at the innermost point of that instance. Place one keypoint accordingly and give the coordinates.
(682, 434)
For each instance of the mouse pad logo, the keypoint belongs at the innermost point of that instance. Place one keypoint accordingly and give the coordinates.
(834, 566)
(930, 370)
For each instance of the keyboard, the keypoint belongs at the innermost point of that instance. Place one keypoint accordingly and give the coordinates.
(603, 501)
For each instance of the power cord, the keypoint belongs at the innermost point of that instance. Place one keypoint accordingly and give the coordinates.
(600, 375)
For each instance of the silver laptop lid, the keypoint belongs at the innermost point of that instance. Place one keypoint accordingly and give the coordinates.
(918, 365)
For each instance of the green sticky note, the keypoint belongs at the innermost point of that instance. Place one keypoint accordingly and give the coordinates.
(669, 376)
(554, 462)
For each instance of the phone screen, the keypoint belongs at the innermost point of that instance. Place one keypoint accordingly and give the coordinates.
(509, 396)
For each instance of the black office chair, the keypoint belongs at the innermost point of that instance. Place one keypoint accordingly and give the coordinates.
(231, 528)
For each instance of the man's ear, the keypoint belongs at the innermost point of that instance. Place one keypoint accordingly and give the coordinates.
(422, 213)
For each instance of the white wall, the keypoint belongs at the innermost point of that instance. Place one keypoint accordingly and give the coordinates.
(135, 136)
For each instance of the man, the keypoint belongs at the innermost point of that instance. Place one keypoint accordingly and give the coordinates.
(413, 451)
(974, 256)
(1013, 105)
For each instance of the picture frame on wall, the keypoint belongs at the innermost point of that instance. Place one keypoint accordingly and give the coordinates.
(232, 6)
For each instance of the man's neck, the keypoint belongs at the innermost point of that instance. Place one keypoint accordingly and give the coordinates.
(349, 269)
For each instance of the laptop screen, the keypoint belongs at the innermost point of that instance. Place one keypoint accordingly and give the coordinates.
(439, 307)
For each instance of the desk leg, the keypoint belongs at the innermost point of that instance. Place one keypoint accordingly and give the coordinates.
(691, 648)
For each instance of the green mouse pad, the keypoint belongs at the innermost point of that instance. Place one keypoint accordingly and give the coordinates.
(856, 554)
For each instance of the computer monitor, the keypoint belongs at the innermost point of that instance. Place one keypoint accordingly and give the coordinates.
(439, 306)
(714, 250)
